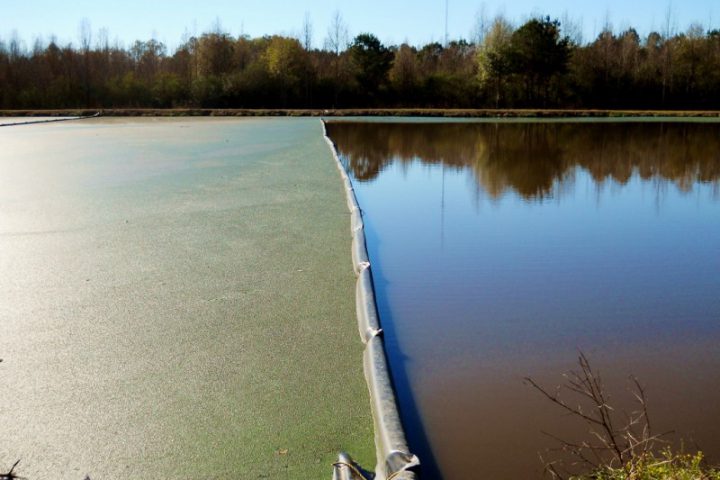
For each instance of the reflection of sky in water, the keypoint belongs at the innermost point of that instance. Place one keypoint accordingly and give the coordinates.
(561, 258)
(479, 280)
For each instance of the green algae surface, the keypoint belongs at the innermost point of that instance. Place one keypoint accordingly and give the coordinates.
(177, 301)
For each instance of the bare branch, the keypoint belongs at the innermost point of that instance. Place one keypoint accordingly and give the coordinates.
(11, 474)
(611, 447)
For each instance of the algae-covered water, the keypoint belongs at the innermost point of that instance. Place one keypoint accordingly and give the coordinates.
(501, 249)
(176, 301)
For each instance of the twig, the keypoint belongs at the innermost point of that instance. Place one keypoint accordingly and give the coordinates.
(625, 447)
(11, 474)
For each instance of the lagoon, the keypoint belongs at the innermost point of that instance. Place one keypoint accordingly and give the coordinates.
(501, 249)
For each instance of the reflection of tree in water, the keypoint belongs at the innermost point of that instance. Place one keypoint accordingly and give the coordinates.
(532, 158)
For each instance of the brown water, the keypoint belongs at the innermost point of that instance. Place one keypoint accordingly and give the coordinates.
(500, 249)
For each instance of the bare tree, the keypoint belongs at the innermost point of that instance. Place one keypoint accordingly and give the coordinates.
(15, 48)
(307, 32)
(667, 51)
(103, 40)
(572, 28)
(337, 42)
(670, 27)
(217, 27)
(85, 34)
(481, 25)
(337, 38)
(613, 443)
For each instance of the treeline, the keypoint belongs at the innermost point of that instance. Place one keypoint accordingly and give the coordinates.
(533, 65)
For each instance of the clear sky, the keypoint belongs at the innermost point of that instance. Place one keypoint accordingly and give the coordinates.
(393, 21)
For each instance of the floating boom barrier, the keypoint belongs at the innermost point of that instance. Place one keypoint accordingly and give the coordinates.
(47, 120)
(394, 459)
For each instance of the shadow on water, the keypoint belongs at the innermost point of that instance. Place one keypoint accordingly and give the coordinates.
(399, 366)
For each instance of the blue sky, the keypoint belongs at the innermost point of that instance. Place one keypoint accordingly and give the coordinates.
(393, 21)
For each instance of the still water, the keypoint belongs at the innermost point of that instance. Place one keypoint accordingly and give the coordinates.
(500, 250)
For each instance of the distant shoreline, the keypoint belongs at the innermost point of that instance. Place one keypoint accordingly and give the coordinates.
(361, 112)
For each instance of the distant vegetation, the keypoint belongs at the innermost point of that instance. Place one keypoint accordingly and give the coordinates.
(537, 64)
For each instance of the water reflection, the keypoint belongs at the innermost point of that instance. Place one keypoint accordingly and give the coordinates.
(532, 159)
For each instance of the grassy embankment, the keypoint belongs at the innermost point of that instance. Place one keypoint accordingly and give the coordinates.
(667, 466)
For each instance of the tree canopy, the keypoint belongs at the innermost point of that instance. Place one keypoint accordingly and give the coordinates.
(372, 61)
(532, 65)
(537, 54)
